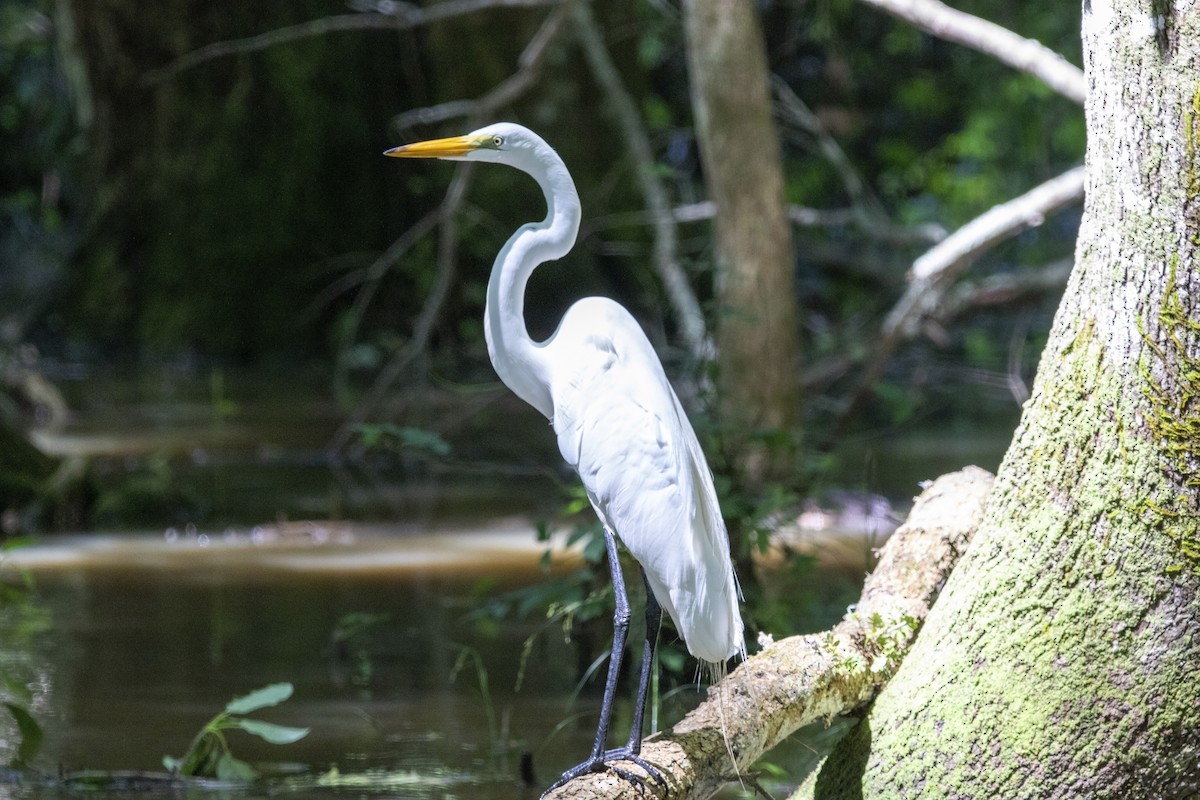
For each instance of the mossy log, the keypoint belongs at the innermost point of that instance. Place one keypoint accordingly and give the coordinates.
(803, 679)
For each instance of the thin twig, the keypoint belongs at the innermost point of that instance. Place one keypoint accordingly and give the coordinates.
(796, 112)
(403, 16)
(1026, 55)
(447, 216)
(508, 91)
(666, 261)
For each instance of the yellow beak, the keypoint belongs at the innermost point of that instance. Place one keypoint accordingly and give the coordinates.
(434, 148)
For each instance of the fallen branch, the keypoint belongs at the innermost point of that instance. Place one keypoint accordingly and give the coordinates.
(959, 249)
(802, 679)
(1004, 288)
(1026, 55)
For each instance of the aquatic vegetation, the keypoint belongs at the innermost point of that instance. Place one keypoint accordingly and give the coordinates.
(209, 754)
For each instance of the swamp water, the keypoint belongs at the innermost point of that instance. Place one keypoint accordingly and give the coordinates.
(141, 640)
(145, 640)
(130, 643)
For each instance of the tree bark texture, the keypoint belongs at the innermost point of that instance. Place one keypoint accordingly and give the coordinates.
(1061, 660)
(739, 150)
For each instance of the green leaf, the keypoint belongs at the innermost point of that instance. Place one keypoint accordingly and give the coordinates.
(201, 757)
(265, 697)
(230, 768)
(422, 439)
(171, 764)
(369, 435)
(31, 735)
(270, 732)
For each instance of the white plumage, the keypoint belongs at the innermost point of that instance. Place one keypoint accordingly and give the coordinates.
(618, 422)
(620, 425)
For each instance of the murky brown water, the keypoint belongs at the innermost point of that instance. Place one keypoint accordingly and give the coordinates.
(147, 636)
(147, 639)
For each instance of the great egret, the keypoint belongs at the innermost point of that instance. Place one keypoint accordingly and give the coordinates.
(619, 424)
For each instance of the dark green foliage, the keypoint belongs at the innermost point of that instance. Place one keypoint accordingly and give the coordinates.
(30, 733)
(232, 207)
(40, 145)
(22, 623)
(223, 193)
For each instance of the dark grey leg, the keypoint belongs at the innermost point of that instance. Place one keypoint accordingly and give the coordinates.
(598, 761)
(653, 620)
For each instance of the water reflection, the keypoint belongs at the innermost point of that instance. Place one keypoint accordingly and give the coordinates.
(405, 696)
(149, 640)
(149, 636)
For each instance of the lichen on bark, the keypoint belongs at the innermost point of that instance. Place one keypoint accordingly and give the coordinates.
(1060, 659)
(1171, 386)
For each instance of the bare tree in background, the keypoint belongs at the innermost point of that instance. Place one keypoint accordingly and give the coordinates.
(755, 285)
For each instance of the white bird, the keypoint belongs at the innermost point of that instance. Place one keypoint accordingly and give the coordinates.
(619, 424)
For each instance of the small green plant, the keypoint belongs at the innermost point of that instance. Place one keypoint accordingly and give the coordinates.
(469, 656)
(209, 755)
(31, 736)
(22, 621)
(414, 441)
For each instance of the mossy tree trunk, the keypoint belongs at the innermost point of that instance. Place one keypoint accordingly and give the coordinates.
(1063, 657)
(755, 284)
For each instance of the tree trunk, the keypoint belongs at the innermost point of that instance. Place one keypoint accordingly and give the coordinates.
(755, 285)
(1061, 660)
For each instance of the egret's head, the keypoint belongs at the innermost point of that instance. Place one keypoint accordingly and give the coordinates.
(503, 142)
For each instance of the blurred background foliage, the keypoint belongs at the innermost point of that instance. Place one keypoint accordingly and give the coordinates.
(226, 214)
(218, 232)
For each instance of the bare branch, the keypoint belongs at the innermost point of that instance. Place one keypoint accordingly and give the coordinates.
(1027, 55)
(529, 66)
(797, 113)
(637, 142)
(800, 216)
(1001, 222)
(402, 17)
(802, 679)
(447, 216)
(867, 211)
(1008, 287)
(933, 272)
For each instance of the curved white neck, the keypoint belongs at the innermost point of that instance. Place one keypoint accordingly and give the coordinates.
(517, 358)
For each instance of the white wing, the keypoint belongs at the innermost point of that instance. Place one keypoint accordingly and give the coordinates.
(620, 425)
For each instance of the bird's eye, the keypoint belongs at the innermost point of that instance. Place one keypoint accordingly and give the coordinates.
(497, 141)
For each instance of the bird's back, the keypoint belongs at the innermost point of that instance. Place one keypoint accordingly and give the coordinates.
(621, 426)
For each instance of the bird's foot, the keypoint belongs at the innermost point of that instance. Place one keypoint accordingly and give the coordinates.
(605, 763)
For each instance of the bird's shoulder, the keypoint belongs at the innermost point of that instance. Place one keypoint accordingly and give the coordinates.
(599, 346)
(612, 401)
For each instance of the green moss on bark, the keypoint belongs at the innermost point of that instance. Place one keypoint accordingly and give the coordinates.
(1047, 681)
(1173, 419)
